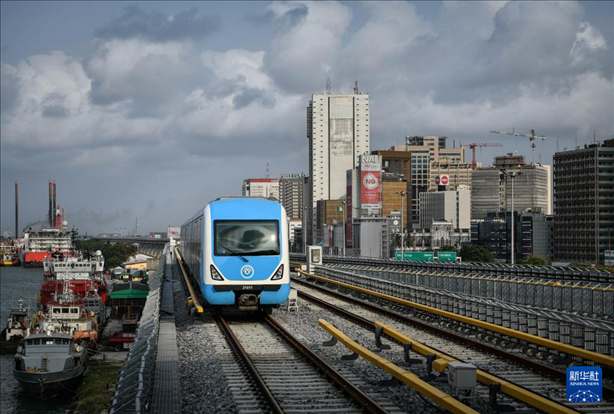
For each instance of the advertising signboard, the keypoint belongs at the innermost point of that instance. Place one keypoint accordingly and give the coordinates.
(370, 181)
(174, 232)
(428, 256)
(446, 256)
(442, 180)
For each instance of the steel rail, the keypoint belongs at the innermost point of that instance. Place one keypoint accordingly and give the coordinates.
(327, 370)
(508, 387)
(246, 361)
(548, 343)
(359, 320)
(412, 380)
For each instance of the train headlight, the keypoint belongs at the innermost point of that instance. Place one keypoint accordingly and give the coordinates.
(215, 275)
(279, 274)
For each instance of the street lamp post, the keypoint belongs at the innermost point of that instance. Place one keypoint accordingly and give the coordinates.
(343, 220)
(402, 194)
(513, 175)
(305, 229)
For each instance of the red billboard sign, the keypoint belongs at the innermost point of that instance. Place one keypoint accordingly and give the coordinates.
(442, 180)
(370, 182)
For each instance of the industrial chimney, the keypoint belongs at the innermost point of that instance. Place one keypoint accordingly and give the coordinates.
(50, 203)
(16, 209)
(54, 224)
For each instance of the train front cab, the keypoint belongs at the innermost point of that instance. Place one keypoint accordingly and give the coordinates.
(246, 262)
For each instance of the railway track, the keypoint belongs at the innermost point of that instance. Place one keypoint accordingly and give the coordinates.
(284, 376)
(535, 377)
(549, 272)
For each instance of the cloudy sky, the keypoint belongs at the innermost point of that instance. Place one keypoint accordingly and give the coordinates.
(152, 109)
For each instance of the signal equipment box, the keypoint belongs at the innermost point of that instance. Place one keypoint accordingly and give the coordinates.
(462, 380)
(314, 257)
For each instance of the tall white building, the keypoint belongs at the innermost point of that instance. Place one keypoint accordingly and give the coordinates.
(338, 133)
(261, 187)
(451, 206)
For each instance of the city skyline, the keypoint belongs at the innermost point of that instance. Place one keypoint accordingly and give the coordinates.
(151, 110)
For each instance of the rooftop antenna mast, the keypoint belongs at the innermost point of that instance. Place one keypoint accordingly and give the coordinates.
(328, 87)
(267, 170)
(356, 88)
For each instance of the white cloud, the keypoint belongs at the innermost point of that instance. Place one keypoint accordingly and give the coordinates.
(238, 64)
(300, 56)
(117, 67)
(588, 39)
(387, 37)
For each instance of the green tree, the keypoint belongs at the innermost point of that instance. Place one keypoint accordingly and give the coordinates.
(114, 253)
(447, 249)
(408, 241)
(475, 254)
(533, 260)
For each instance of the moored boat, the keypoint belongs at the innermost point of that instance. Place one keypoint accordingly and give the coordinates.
(84, 273)
(67, 314)
(44, 243)
(17, 328)
(49, 364)
(9, 255)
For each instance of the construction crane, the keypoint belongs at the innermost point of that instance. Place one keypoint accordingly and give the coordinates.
(531, 137)
(473, 145)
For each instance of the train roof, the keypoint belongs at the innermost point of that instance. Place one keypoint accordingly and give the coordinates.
(242, 207)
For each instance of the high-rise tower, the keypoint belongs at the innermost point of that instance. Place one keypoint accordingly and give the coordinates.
(338, 133)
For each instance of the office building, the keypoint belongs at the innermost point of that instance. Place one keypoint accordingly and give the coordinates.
(372, 237)
(491, 189)
(457, 173)
(451, 206)
(396, 166)
(291, 194)
(584, 203)
(364, 191)
(424, 151)
(330, 213)
(338, 133)
(533, 235)
(293, 225)
(392, 185)
(261, 187)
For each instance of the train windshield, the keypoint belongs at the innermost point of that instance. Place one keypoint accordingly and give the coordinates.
(246, 237)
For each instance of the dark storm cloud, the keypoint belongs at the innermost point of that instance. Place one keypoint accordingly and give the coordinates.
(249, 95)
(157, 27)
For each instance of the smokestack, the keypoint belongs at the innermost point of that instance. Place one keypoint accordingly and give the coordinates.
(54, 206)
(16, 208)
(50, 203)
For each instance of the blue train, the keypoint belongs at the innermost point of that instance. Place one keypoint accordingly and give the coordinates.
(237, 250)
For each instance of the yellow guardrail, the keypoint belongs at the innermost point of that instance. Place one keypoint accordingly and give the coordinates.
(568, 349)
(439, 397)
(442, 361)
(193, 297)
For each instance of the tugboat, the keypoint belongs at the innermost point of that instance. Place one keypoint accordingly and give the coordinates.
(49, 364)
(84, 273)
(67, 314)
(9, 255)
(17, 328)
